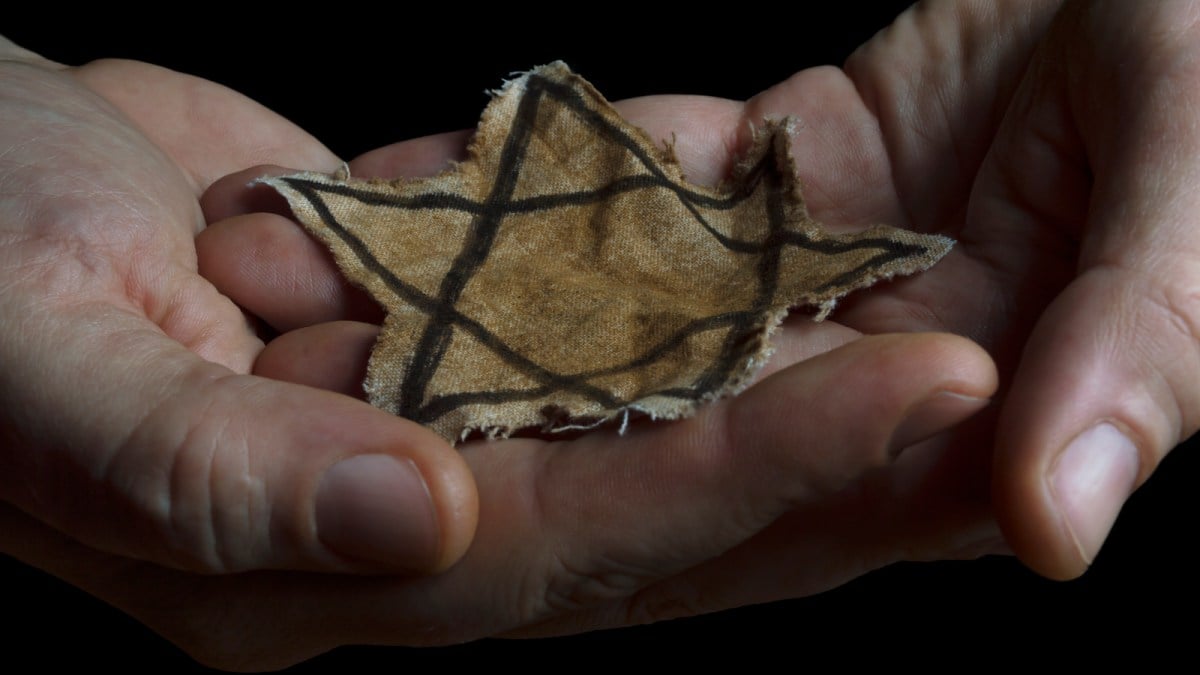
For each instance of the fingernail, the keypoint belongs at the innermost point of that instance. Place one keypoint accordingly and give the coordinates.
(376, 508)
(931, 416)
(1091, 480)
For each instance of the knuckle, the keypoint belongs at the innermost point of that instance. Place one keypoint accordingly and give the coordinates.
(571, 587)
(195, 486)
(675, 599)
(1176, 339)
(1181, 309)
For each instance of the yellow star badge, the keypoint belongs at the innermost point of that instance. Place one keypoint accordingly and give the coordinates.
(566, 273)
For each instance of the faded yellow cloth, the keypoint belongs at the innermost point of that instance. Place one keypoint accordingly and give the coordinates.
(567, 273)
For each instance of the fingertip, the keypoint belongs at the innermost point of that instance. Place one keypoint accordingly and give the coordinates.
(240, 193)
(331, 356)
(400, 499)
(378, 509)
(909, 387)
(1057, 508)
(898, 368)
(424, 156)
(939, 362)
(940, 410)
(397, 513)
(946, 377)
(965, 368)
(271, 267)
(1099, 398)
(456, 501)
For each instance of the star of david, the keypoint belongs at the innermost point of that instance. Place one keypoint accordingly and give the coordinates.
(567, 273)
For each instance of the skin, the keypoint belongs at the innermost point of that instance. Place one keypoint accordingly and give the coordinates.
(1009, 126)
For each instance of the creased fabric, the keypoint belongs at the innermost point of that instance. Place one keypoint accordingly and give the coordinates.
(566, 272)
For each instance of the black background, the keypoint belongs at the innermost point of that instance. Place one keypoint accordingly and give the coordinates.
(361, 81)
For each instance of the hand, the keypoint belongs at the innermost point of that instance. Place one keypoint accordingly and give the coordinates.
(1057, 144)
(131, 426)
(1060, 149)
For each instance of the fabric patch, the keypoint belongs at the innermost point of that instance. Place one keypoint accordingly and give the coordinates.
(566, 273)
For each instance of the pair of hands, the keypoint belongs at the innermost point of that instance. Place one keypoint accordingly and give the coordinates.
(152, 441)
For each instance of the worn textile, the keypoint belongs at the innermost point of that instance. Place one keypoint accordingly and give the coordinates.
(566, 272)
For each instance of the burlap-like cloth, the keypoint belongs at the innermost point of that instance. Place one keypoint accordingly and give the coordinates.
(566, 272)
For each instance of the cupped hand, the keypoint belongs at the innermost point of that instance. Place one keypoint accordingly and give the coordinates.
(1059, 144)
(131, 424)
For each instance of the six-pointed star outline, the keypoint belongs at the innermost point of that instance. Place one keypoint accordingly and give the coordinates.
(567, 272)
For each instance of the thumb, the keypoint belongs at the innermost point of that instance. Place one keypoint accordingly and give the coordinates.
(157, 454)
(1109, 380)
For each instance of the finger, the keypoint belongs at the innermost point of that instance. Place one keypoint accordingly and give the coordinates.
(240, 193)
(329, 356)
(1107, 384)
(175, 460)
(931, 503)
(598, 519)
(271, 268)
(334, 355)
(424, 156)
(836, 145)
(599, 516)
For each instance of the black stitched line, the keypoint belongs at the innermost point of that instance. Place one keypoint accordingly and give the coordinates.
(888, 255)
(440, 405)
(734, 347)
(438, 330)
(429, 201)
(428, 305)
